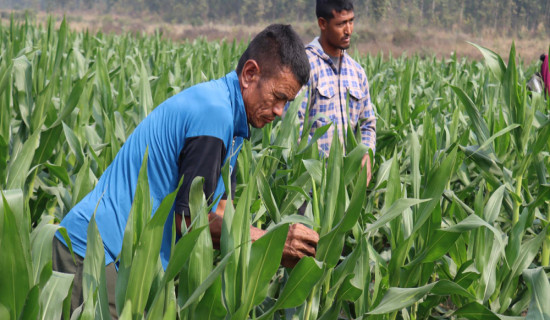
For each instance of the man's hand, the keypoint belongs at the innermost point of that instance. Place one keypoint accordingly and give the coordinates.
(301, 241)
(366, 160)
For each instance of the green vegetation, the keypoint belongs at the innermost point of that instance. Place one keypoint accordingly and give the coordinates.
(454, 224)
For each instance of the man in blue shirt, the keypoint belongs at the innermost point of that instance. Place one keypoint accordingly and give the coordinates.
(192, 134)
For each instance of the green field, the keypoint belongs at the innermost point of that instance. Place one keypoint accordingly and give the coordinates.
(453, 225)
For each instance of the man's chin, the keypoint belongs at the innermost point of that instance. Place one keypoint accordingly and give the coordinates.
(345, 47)
(257, 125)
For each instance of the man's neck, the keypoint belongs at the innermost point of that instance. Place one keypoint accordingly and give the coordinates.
(328, 49)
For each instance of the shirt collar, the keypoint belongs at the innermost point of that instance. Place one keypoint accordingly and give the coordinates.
(317, 49)
(240, 121)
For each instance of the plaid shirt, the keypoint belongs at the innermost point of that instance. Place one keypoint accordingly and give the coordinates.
(329, 90)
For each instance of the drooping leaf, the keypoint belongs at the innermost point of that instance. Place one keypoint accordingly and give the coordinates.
(399, 298)
(493, 60)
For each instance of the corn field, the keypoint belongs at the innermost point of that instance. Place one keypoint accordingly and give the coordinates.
(453, 225)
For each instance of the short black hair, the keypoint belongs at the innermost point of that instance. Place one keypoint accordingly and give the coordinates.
(277, 43)
(324, 8)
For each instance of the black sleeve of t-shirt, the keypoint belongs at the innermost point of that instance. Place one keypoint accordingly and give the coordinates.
(201, 156)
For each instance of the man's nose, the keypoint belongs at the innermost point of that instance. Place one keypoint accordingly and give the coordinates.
(278, 109)
(347, 29)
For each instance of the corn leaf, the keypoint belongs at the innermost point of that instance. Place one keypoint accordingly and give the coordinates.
(31, 308)
(265, 257)
(330, 245)
(19, 166)
(303, 277)
(212, 278)
(94, 284)
(211, 307)
(493, 60)
(52, 295)
(15, 281)
(144, 263)
(538, 284)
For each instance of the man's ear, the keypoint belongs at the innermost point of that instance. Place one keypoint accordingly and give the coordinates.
(250, 73)
(322, 22)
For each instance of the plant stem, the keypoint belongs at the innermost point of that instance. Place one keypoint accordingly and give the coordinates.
(313, 295)
(515, 217)
(310, 302)
(545, 257)
(316, 216)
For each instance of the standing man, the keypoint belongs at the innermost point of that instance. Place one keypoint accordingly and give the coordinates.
(191, 134)
(335, 75)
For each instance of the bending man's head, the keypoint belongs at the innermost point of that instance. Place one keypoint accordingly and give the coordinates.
(277, 46)
(271, 72)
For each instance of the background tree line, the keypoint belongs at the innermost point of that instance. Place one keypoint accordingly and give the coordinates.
(500, 16)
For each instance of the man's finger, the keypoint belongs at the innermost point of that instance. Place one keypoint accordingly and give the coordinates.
(309, 251)
(302, 232)
(303, 248)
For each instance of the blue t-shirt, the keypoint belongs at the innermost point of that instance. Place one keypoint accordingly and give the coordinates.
(212, 109)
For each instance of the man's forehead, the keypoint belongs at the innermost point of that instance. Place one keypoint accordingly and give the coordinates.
(343, 14)
(286, 80)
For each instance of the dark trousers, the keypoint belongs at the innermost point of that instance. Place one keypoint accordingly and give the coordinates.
(62, 261)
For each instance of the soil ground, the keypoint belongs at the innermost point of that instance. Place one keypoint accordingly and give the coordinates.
(388, 39)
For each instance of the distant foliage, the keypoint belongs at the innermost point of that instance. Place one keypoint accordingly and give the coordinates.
(502, 16)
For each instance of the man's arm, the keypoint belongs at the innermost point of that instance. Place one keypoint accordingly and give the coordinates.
(215, 226)
(366, 161)
(368, 129)
(203, 157)
(301, 241)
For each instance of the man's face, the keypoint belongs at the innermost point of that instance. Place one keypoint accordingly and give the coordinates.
(336, 33)
(265, 98)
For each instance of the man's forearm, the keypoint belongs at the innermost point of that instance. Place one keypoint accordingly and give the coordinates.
(215, 223)
(301, 241)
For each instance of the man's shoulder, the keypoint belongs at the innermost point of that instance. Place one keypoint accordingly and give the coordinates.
(205, 94)
(317, 59)
(314, 53)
